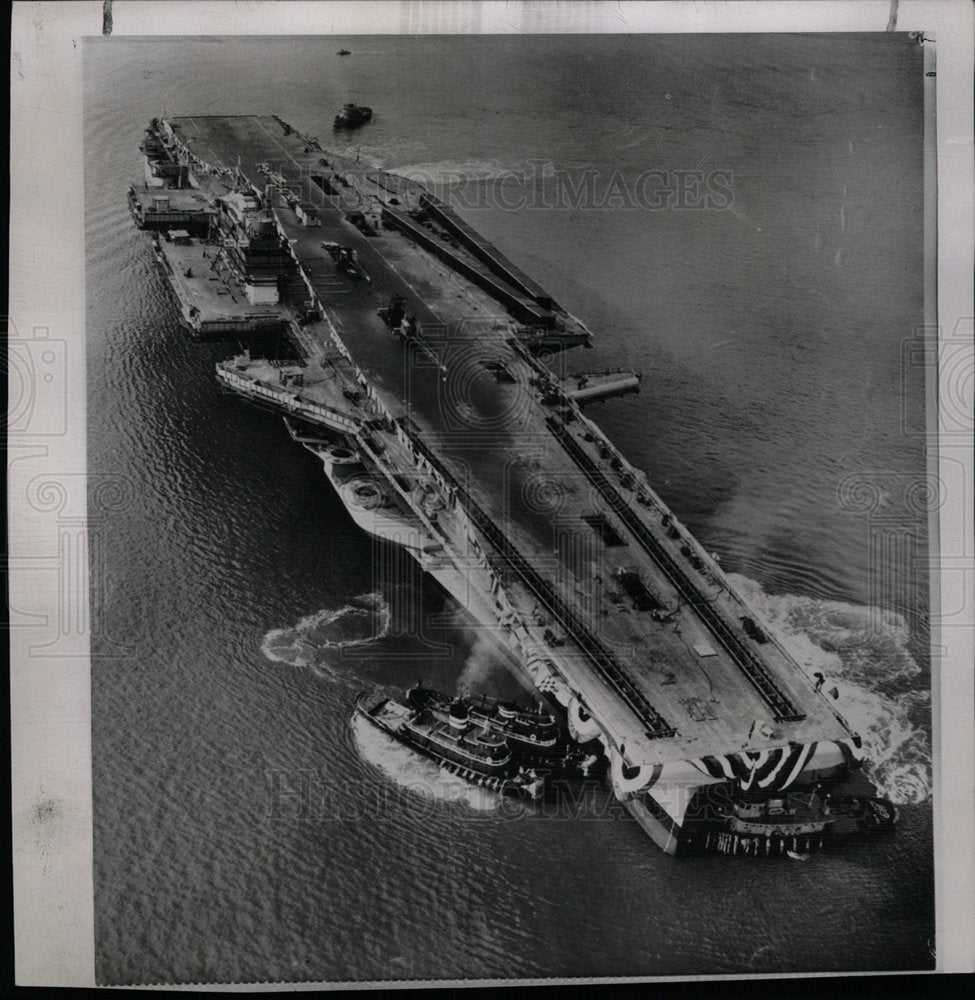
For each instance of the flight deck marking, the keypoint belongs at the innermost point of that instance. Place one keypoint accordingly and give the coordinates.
(429, 351)
(277, 143)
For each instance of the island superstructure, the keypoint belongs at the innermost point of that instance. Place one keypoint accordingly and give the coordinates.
(429, 375)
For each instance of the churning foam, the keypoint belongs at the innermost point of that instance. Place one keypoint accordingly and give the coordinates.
(864, 653)
(305, 644)
(415, 773)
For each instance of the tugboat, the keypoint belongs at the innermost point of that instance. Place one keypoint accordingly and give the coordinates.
(799, 820)
(456, 743)
(533, 734)
(352, 116)
(535, 728)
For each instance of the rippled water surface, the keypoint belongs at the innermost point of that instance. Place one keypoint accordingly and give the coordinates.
(244, 828)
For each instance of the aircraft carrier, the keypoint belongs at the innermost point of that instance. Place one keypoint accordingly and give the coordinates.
(430, 376)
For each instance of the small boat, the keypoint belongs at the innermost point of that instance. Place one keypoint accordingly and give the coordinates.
(351, 116)
(343, 52)
(456, 743)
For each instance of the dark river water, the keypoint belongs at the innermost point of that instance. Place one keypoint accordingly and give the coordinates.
(245, 829)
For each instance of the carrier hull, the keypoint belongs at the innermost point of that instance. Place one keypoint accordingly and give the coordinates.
(421, 385)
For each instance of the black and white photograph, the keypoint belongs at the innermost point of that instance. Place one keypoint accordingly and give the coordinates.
(509, 544)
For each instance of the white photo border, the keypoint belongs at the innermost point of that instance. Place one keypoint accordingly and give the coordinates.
(50, 697)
